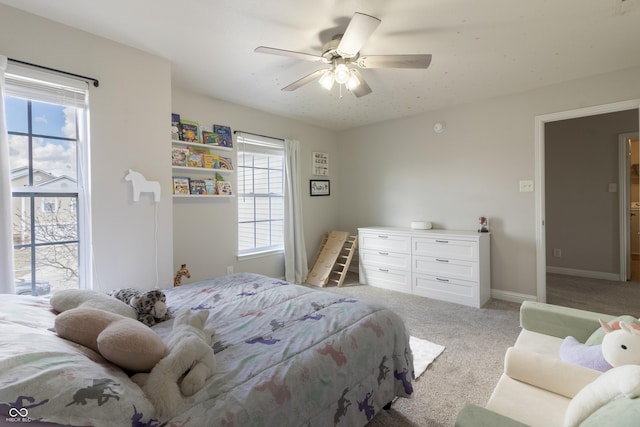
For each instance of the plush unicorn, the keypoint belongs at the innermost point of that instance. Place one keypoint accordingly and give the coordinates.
(621, 348)
(184, 271)
(621, 344)
(141, 185)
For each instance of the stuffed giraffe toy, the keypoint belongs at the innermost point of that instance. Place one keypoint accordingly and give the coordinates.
(177, 281)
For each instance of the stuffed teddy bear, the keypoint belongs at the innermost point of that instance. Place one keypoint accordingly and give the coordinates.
(189, 362)
(121, 340)
(150, 305)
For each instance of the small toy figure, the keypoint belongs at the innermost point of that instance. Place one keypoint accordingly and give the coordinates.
(177, 281)
(484, 225)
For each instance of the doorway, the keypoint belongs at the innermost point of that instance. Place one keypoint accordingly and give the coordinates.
(540, 197)
(630, 203)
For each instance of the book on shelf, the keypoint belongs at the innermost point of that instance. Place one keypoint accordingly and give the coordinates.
(224, 135)
(189, 131)
(197, 186)
(209, 137)
(195, 159)
(210, 185)
(225, 163)
(223, 188)
(176, 132)
(179, 156)
(210, 161)
(181, 185)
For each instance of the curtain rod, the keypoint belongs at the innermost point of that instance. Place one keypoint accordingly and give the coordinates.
(96, 83)
(257, 134)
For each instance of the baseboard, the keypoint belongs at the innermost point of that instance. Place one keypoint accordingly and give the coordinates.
(583, 273)
(512, 296)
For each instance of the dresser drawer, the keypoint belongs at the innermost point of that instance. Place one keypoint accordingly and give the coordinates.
(446, 248)
(385, 259)
(452, 290)
(388, 278)
(446, 268)
(387, 242)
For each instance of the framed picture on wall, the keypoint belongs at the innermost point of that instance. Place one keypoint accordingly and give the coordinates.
(319, 187)
(320, 164)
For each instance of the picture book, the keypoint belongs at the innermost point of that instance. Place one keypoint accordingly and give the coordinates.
(189, 131)
(181, 185)
(201, 150)
(210, 185)
(210, 161)
(179, 156)
(225, 163)
(176, 134)
(224, 135)
(209, 137)
(197, 186)
(195, 160)
(223, 188)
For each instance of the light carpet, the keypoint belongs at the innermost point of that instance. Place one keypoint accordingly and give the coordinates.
(424, 353)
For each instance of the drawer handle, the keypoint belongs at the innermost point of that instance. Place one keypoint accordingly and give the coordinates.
(442, 280)
(384, 270)
(383, 253)
(442, 241)
(442, 260)
(383, 237)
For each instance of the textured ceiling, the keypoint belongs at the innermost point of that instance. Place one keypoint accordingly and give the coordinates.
(481, 49)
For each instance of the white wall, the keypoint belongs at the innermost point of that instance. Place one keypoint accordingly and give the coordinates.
(384, 174)
(205, 230)
(398, 171)
(129, 128)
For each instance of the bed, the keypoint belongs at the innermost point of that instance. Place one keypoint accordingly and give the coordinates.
(286, 355)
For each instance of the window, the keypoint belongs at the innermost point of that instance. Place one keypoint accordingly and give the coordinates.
(46, 123)
(260, 194)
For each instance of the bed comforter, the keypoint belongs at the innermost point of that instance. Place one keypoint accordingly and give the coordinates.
(286, 355)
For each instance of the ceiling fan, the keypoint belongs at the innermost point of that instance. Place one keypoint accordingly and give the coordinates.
(343, 51)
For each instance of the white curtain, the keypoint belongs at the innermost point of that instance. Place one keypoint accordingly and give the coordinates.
(295, 252)
(7, 284)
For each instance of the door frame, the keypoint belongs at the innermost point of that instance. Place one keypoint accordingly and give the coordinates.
(540, 121)
(624, 178)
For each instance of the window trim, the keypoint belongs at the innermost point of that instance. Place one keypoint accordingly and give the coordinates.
(39, 86)
(265, 145)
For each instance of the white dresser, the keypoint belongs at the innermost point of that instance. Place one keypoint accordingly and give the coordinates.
(447, 265)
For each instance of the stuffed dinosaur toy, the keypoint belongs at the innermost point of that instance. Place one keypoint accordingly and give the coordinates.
(150, 305)
(188, 364)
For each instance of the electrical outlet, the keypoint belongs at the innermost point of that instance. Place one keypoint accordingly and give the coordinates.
(557, 252)
(230, 269)
(526, 186)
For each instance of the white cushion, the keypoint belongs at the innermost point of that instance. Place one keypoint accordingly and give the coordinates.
(539, 343)
(529, 405)
(548, 373)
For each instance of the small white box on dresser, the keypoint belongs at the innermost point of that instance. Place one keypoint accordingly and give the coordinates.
(448, 265)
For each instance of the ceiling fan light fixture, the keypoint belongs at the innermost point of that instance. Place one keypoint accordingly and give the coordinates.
(327, 80)
(353, 81)
(342, 74)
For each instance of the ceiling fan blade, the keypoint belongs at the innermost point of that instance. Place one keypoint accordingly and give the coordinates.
(357, 33)
(291, 53)
(363, 88)
(394, 61)
(303, 81)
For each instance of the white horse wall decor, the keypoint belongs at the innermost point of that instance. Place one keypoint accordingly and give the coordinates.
(141, 185)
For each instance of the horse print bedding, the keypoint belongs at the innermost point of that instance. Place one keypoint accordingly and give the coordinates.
(286, 355)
